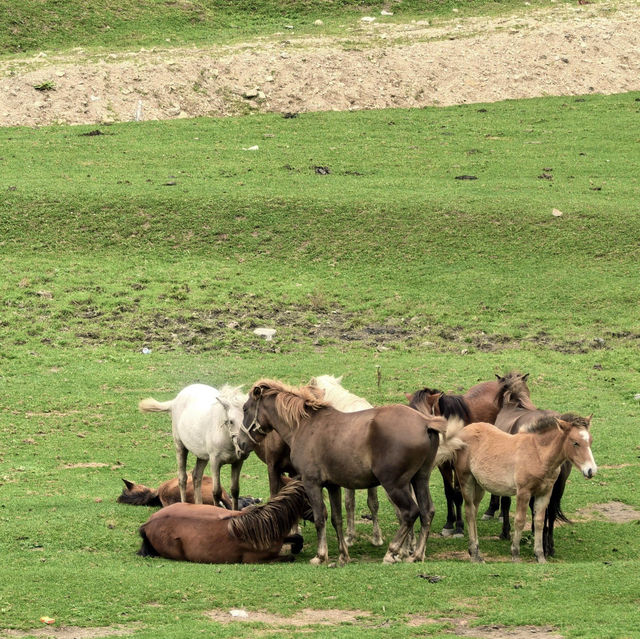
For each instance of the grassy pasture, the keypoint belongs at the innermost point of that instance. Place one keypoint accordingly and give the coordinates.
(170, 236)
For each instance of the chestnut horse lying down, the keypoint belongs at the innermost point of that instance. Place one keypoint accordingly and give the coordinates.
(214, 535)
(169, 493)
(526, 465)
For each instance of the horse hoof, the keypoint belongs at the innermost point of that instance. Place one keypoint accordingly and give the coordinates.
(477, 559)
(541, 559)
(390, 558)
(487, 516)
(458, 534)
(447, 532)
(377, 541)
(316, 561)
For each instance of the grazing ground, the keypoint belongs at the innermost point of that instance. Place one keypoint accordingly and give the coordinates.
(403, 248)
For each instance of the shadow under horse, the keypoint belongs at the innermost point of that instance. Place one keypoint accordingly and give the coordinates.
(481, 403)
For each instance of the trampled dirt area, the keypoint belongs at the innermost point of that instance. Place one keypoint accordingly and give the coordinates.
(569, 49)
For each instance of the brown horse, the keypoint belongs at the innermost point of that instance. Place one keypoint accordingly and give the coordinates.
(481, 403)
(526, 465)
(213, 535)
(393, 446)
(169, 493)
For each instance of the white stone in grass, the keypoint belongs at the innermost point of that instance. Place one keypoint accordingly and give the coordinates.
(556, 213)
(367, 19)
(236, 612)
(637, 397)
(267, 333)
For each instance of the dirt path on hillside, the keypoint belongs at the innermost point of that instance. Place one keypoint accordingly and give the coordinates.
(567, 50)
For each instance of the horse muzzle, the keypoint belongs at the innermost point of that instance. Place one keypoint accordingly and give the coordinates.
(589, 471)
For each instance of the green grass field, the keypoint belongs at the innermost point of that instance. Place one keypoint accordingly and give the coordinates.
(169, 236)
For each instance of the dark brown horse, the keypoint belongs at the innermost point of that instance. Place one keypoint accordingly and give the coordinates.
(393, 446)
(169, 493)
(525, 465)
(481, 403)
(518, 413)
(213, 535)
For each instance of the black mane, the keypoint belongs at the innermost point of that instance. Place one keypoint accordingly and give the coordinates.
(448, 405)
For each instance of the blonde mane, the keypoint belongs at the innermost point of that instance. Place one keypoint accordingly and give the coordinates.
(291, 402)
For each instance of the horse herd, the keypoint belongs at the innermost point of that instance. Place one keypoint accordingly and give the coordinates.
(319, 435)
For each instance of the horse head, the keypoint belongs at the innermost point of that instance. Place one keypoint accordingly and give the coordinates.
(426, 401)
(577, 446)
(231, 400)
(516, 392)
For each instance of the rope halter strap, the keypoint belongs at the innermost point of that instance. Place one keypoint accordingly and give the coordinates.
(254, 426)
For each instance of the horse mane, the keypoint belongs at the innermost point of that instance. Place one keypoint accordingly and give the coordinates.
(338, 396)
(263, 525)
(448, 405)
(548, 422)
(291, 401)
(233, 395)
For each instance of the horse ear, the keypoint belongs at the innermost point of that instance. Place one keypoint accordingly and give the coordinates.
(313, 382)
(129, 484)
(499, 378)
(409, 396)
(339, 379)
(225, 404)
(562, 425)
(256, 392)
(589, 420)
(525, 377)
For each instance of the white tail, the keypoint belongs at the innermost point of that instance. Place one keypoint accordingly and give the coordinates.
(450, 441)
(150, 405)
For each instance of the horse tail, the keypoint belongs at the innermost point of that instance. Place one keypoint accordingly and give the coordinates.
(150, 405)
(147, 549)
(450, 441)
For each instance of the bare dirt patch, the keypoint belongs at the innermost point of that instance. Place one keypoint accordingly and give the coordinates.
(570, 49)
(614, 511)
(461, 628)
(306, 617)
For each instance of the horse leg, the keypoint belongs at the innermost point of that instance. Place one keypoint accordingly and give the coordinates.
(236, 467)
(407, 513)
(181, 456)
(216, 487)
(472, 494)
(494, 505)
(446, 470)
(196, 476)
(314, 493)
(335, 500)
(373, 504)
(420, 483)
(505, 507)
(350, 508)
(522, 503)
(539, 513)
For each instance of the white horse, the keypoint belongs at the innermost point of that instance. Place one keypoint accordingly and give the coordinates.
(208, 423)
(341, 399)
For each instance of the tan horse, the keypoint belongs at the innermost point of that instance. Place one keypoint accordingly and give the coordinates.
(393, 446)
(213, 535)
(525, 465)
